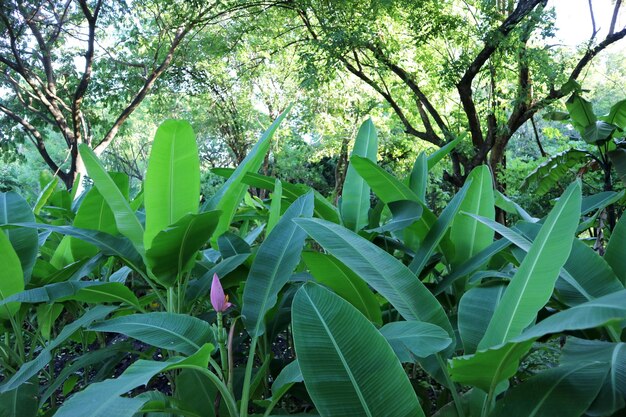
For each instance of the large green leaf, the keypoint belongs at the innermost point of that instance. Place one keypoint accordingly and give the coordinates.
(127, 223)
(274, 263)
(172, 185)
(615, 254)
(343, 281)
(384, 185)
(561, 391)
(355, 197)
(468, 235)
(618, 157)
(196, 393)
(173, 249)
(476, 309)
(612, 395)
(228, 197)
(617, 115)
(418, 181)
(415, 339)
(380, 270)
(532, 284)
(21, 402)
(95, 214)
(581, 112)
(176, 332)
(274, 211)
(30, 369)
(348, 367)
(14, 209)
(12, 281)
(104, 399)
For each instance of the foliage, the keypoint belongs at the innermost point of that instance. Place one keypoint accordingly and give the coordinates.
(180, 306)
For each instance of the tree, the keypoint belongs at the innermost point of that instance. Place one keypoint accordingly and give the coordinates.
(446, 68)
(82, 67)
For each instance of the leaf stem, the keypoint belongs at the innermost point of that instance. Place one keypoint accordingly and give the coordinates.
(245, 393)
(451, 386)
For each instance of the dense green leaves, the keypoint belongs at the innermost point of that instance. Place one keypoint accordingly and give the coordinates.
(339, 351)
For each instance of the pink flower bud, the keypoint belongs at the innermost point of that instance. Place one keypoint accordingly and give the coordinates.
(219, 300)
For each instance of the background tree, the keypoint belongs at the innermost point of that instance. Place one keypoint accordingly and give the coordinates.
(445, 68)
(81, 68)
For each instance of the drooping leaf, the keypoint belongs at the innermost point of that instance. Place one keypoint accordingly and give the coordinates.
(355, 198)
(532, 284)
(415, 339)
(564, 390)
(14, 209)
(172, 184)
(339, 351)
(104, 399)
(550, 172)
(612, 395)
(343, 281)
(30, 369)
(404, 212)
(273, 265)
(173, 249)
(107, 292)
(108, 245)
(171, 331)
(127, 222)
(598, 133)
(468, 235)
(386, 274)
